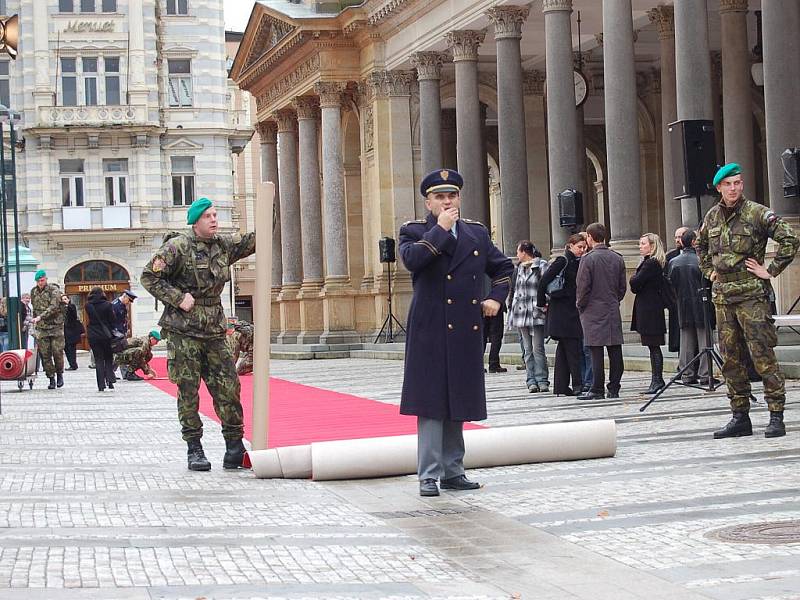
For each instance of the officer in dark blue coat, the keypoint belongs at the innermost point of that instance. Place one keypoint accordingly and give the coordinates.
(443, 385)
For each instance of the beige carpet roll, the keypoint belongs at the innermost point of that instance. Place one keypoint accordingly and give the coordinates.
(397, 455)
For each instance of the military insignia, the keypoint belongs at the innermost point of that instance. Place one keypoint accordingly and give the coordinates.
(158, 265)
(770, 217)
(444, 174)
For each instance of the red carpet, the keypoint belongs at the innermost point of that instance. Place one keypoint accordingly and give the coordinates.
(301, 414)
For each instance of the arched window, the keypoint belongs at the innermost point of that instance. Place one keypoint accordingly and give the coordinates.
(96, 271)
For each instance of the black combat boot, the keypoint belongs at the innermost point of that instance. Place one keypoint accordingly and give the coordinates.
(738, 426)
(197, 458)
(52, 385)
(776, 428)
(234, 454)
(59, 380)
(657, 367)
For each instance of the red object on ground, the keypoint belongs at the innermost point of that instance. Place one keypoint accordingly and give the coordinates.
(12, 363)
(301, 414)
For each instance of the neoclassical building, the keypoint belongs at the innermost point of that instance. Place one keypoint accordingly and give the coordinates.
(355, 102)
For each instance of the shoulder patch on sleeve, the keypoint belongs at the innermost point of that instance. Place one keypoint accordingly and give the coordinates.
(770, 217)
(470, 221)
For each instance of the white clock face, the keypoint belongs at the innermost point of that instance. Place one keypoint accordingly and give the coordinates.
(581, 88)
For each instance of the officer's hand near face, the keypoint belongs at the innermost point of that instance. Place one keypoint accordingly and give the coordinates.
(756, 268)
(490, 307)
(447, 217)
(187, 303)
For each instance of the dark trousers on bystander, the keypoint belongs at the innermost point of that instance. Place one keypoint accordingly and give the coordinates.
(615, 369)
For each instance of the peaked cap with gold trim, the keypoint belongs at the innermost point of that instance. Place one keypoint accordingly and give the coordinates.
(441, 180)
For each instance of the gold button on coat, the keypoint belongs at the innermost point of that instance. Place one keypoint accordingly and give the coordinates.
(474, 300)
(449, 325)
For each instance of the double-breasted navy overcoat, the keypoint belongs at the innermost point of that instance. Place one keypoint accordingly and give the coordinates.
(444, 345)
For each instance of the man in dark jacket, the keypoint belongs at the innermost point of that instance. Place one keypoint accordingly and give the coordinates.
(120, 308)
(601, 286)
(673, 341)
(443, 384)
(686, 279)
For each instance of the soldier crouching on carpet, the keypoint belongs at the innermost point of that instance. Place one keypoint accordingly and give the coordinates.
(188, 274)
(137, 356)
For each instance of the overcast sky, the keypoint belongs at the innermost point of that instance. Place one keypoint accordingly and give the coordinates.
(236, 14)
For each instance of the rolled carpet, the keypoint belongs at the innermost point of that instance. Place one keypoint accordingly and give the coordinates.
(13, 363)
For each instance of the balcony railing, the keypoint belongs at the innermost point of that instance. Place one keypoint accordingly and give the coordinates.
(77, 217)
(80, 217)
(88, 116)
(116, 217)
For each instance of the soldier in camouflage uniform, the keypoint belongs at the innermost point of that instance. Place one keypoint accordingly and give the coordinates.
(188, 274)
(137, 356)
(48, 320)
(731, 246)
(240, 341)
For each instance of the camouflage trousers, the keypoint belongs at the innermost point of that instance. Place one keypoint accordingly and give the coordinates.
(190, 359)
(51, 349)
(749, 326)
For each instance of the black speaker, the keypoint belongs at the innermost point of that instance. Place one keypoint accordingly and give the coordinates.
(386, 248)
(694, 157)
(570, 208)
(790, 158)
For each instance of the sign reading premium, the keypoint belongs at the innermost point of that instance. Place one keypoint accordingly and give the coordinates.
(89, 26)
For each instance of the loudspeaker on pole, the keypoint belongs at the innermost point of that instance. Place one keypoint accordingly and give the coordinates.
(694, 157)
(386, 249)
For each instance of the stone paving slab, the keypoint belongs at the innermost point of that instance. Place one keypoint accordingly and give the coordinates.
(96, 503)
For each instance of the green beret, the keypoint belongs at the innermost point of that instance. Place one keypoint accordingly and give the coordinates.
(197, 208)
(39, 274)
(724, 171)
(155, 334)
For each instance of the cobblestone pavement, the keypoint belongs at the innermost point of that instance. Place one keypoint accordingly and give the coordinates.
(96, 503)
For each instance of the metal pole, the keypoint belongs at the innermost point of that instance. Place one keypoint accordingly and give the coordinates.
(17, 319)
(3, 206)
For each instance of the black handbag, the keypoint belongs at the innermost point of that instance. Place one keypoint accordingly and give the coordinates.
(116, 339)
(557, 283)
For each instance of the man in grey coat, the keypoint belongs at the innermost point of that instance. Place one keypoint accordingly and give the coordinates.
(601, 287)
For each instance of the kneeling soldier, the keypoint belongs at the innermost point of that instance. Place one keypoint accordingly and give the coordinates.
(137, 356)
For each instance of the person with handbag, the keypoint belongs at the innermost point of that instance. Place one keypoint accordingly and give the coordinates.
(101, 326)
(73, 330)
(648, 306)
(556, 295)
(528, 318)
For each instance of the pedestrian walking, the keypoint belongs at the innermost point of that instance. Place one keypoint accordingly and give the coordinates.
(443, 383)
(48, 320)
(100, 334)
(73, 331)
(187, 274)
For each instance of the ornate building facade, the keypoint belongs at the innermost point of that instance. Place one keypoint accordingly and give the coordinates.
(355, 104)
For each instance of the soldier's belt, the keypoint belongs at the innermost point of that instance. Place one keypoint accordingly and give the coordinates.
(735, 276)
(207, 301)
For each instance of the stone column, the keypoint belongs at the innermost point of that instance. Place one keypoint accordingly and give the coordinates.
(535, 133)
(449, 139)
(292, 274)
(664, 18)
(137, 88)
(429, 74)
(508, 22)
(268, 133)
(471, 161)
(561, 115)
(43, 90)
(693, 80)
(781, 23)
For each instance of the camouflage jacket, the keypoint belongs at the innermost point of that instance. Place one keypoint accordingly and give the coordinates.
(186, 263)
(241, 340)
(46, 303)
(137, 355)
(728, 236)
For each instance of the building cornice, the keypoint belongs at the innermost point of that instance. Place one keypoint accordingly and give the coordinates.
(733, 6)
(305, 71)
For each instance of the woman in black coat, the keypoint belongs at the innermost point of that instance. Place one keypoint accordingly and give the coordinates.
(648, 306)
(73, 330)
(563, 323)
(100, 313)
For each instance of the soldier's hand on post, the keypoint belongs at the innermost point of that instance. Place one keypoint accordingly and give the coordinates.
(490, 307)
(757, 268)
(187, 303)
(447, 218)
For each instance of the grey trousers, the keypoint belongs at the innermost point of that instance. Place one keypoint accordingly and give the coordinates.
(440, 448)
(692, 340)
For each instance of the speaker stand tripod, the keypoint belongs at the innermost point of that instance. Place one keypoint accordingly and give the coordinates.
(387, 329)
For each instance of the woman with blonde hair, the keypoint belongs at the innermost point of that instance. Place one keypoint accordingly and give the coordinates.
(648, 307)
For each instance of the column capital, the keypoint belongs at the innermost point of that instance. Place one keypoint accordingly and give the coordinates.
(286, 119)
(330, 93)
(726, 6)
(664, 18)
(508, 20)
(554, 5)
(390, 83)
(306, 107)
(464, 43)
(428, 64)
(267, 132)
(533, 82)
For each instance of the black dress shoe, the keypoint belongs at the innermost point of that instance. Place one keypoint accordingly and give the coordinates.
(566, 392)
(498, 370)
(428, 487)
(591, 396)
(459, 482)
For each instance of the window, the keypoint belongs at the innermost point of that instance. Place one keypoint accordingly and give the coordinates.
(87, 6)
(177, 7)
(180, 82)
(89, 66)
(69, 82)
(111, 68)
(71, 171)
(109, 6)
(5, 84)
(116, 174)
(182, 180)
(66, 6)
